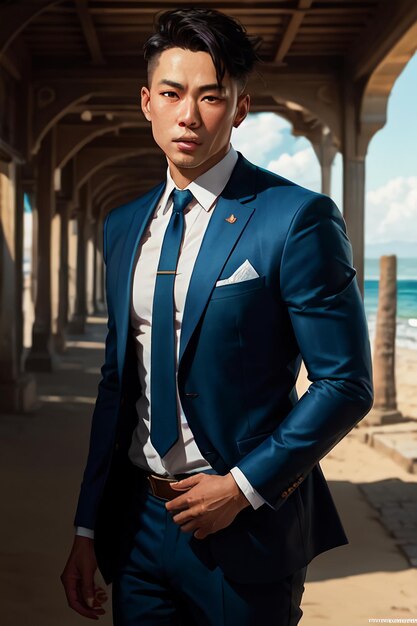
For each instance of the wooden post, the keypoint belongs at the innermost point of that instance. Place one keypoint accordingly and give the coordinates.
(385, 410)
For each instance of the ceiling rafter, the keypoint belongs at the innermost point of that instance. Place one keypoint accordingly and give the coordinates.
(90, 32)
(292, 29)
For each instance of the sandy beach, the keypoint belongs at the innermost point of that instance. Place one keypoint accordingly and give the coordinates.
(406, 378)
(369, 578)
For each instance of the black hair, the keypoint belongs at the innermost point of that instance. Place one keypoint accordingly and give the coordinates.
(223, 37)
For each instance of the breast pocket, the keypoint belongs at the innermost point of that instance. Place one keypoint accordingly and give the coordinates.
(237, 289)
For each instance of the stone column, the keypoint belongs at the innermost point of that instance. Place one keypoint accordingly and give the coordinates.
(100, 270)
(63, 209)
(384, 410)
(17, 390)
(55, 279)
(95, 267)
(325, 150)
(34, 272)
(77, 323)
(90, 267)
(354, 152)
(19, 234)
(41, 356)
(72, 266)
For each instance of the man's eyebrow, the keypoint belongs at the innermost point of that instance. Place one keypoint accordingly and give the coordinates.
(211, 87)
(172, 83)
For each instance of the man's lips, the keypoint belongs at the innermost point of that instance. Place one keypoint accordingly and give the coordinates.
(187, 140)
(186, 144)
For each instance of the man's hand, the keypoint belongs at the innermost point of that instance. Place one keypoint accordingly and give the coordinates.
(210, 504)
(78, 579)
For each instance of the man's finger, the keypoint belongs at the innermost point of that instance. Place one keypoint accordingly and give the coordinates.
(189, 514)
(72, 592)
(100, 595)
(178, 504)
(87, 588)
(91, 613)
(187, 483)
(201, 534)
(181, 503)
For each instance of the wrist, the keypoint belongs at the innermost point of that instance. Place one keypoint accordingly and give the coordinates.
(83, 539)
(238, 495)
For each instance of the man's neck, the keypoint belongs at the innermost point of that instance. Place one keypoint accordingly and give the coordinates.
(183, 176)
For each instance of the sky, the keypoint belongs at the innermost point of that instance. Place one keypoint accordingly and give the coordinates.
(391, 166)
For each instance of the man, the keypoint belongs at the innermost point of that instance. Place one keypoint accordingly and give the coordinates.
(203, 500)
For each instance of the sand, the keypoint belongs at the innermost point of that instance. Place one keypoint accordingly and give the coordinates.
(369, 578)
(406, 378)
(41, 460)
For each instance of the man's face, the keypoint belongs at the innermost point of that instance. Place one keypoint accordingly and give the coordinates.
(192, 118)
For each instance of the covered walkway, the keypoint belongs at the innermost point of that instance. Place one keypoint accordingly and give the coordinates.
(73, 143)
(41, 463)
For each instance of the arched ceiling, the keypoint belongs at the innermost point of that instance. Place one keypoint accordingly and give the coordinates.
(77, 65)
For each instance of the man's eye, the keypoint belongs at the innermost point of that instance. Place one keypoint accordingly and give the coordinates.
(211, 98)
(169, 94)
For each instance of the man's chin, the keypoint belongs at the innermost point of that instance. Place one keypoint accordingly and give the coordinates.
(186, 161)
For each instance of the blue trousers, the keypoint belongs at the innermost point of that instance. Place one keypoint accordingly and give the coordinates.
(167, 578)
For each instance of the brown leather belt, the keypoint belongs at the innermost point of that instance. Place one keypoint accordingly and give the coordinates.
(160, 487)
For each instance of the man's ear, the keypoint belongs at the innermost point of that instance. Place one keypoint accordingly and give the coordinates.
(242, 109)
(145, 97)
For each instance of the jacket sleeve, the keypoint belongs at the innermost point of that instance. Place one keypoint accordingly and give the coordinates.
(103, 422)
(319, 287)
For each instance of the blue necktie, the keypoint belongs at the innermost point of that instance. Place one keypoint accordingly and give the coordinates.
(164, 420)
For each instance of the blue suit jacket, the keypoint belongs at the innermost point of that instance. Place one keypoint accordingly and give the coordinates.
(240, 354)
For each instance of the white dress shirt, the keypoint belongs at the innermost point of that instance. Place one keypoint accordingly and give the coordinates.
(184, 456)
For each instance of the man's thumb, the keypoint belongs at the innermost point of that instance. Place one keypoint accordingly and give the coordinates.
(88, 592)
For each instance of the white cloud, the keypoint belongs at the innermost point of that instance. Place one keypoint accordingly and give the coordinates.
(259, 135)
(391, 211)
(302, 168)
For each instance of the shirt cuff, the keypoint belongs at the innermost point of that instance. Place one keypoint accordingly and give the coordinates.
(84, 532)
(246, 488)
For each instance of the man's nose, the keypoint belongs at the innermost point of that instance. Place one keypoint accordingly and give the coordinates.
(189, 114)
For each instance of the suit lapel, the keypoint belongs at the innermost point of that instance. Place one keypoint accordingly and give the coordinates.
(139, 221)
(219, 240)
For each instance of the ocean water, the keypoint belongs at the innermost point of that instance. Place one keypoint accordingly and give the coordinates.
(406, 299)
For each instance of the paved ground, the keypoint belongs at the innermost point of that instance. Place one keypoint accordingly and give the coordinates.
(41, 462)
(396, 503)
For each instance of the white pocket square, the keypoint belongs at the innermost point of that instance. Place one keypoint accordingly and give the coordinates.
(244, 272)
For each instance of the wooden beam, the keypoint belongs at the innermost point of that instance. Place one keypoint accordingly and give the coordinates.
(9, 64)
(118, 75)
(390, 24)
(292, 29)
(71, 138)
(15, 17)
(90, 32)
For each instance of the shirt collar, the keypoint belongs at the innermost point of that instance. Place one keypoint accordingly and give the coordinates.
(207, 187)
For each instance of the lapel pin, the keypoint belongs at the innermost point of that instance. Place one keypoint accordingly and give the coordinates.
(231, 219)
